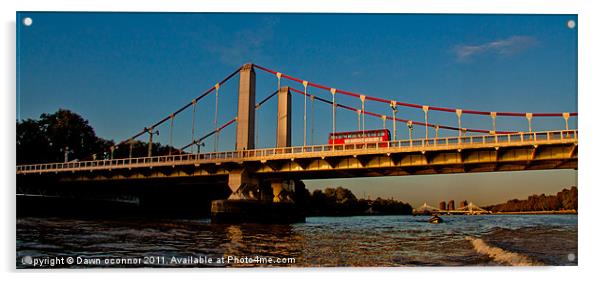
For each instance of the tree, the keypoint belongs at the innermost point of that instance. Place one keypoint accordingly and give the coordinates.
(67, 131)
(47, 139)
(564, 200)
(32, 143)
(54, 135)
(341, 201)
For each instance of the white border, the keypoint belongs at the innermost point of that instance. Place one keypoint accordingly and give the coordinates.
(589, 90)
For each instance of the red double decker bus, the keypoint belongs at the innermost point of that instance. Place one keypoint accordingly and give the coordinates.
(359, 137)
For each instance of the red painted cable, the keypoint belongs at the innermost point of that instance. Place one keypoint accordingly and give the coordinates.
(398, 119)
(204, 94)
(444, 109)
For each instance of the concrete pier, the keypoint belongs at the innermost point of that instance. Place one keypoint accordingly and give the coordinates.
(249, 202)
(245, 211)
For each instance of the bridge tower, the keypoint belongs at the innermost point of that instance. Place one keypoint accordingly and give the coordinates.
(283, 139)
(245, 125)
(283, 132)
(245, 130)
(253, 199)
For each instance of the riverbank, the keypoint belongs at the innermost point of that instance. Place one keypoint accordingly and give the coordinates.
(561, 212)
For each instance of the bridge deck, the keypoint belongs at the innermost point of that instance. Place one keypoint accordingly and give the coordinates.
(421, 146)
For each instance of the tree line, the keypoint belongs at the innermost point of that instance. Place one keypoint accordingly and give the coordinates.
(566, 199)
(65, 135)
(340, 201)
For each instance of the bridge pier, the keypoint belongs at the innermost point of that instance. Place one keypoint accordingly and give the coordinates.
(282, 190)
(242, 185)
(253, 200)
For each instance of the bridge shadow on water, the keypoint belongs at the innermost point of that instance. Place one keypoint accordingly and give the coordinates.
(135, 199)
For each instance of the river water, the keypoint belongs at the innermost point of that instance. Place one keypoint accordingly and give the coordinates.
(485, 240)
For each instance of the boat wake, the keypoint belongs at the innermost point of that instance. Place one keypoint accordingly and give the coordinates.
(500, 255)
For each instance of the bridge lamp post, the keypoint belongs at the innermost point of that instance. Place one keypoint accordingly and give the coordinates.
(394, 109)
(198, 146)
(493, 117)
(151, 131)
(529, 117)
(566, 116)
(363, 100)
(66, 153)
(425, 108)
(410, 129)
(459, 114)
(131, 142)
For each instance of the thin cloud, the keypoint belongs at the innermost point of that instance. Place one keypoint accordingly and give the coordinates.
(244, 45)
(504, 47)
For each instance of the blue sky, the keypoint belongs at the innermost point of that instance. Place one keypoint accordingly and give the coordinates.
(123, 71)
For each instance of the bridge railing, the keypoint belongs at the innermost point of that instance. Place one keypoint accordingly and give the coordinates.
(448, 142)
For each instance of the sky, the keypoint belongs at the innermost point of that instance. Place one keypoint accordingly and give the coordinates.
(124, 71)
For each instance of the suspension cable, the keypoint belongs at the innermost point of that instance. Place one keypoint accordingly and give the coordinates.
(399, 119)
(193, 119)
(217, 130)
(312, 119)
(305, 113)
(216, 140)
(204, 94)
(171, 133)
(359, 120)
(467, 111)
(257, 106)
(334, 114)
(363, 100)
(256, 129)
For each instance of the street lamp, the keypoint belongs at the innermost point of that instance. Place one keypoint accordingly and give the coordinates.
(410, 130)
(394, 109)
(151, 131)
(198, 146)
(66, 153)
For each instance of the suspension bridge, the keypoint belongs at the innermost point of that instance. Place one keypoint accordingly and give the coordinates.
(469, 209)
(245, 168)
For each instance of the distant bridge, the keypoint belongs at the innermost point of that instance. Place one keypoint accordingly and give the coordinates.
(469, 209)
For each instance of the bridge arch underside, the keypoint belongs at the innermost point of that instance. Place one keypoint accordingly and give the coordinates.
(341, 164)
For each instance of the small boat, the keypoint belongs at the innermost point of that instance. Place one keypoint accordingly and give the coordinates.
(435, 219)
